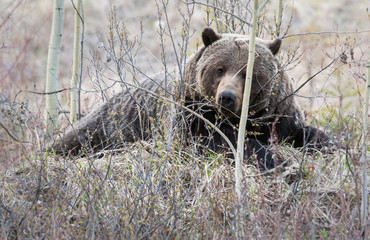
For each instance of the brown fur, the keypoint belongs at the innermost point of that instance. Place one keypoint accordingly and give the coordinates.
(126, 117)
(270, 83)
(214, 75)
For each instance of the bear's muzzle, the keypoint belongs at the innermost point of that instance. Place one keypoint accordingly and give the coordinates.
(227, 102)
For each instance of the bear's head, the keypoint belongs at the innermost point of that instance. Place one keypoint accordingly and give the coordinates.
(217, 71)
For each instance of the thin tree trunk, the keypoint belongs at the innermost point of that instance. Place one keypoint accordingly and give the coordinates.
(52, 67)
(363, 160)
(76, 63)
(240, 211)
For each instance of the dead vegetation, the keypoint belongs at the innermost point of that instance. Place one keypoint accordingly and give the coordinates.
(145, 192)
(160, 189)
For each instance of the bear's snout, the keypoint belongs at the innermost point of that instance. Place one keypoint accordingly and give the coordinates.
(227, 101)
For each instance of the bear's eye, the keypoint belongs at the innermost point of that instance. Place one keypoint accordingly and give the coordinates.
(220, 71)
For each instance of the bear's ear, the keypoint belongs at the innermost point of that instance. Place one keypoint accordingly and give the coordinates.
(209, 36)
(274, 45)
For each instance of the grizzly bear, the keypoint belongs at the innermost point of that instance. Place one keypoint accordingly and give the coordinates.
(216, 76)
(214, 85)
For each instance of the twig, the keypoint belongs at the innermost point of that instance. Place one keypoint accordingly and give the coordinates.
(12, 135)
(220, 9)
(325, 32)
(6, 18)
(279, 18)
(310, 78)
(46, 93)
(262, 6)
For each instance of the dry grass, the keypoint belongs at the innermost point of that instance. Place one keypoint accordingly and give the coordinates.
(146, 191)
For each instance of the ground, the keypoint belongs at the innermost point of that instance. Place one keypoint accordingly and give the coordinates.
(157, 189)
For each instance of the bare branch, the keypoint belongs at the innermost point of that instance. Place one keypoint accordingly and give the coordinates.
(12, 135)
(325, 32)
(220, 9)
(310, 78)
(6, 18)
(46, 93)
(262, 6)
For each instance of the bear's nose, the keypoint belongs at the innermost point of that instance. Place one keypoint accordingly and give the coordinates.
(227, 100)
